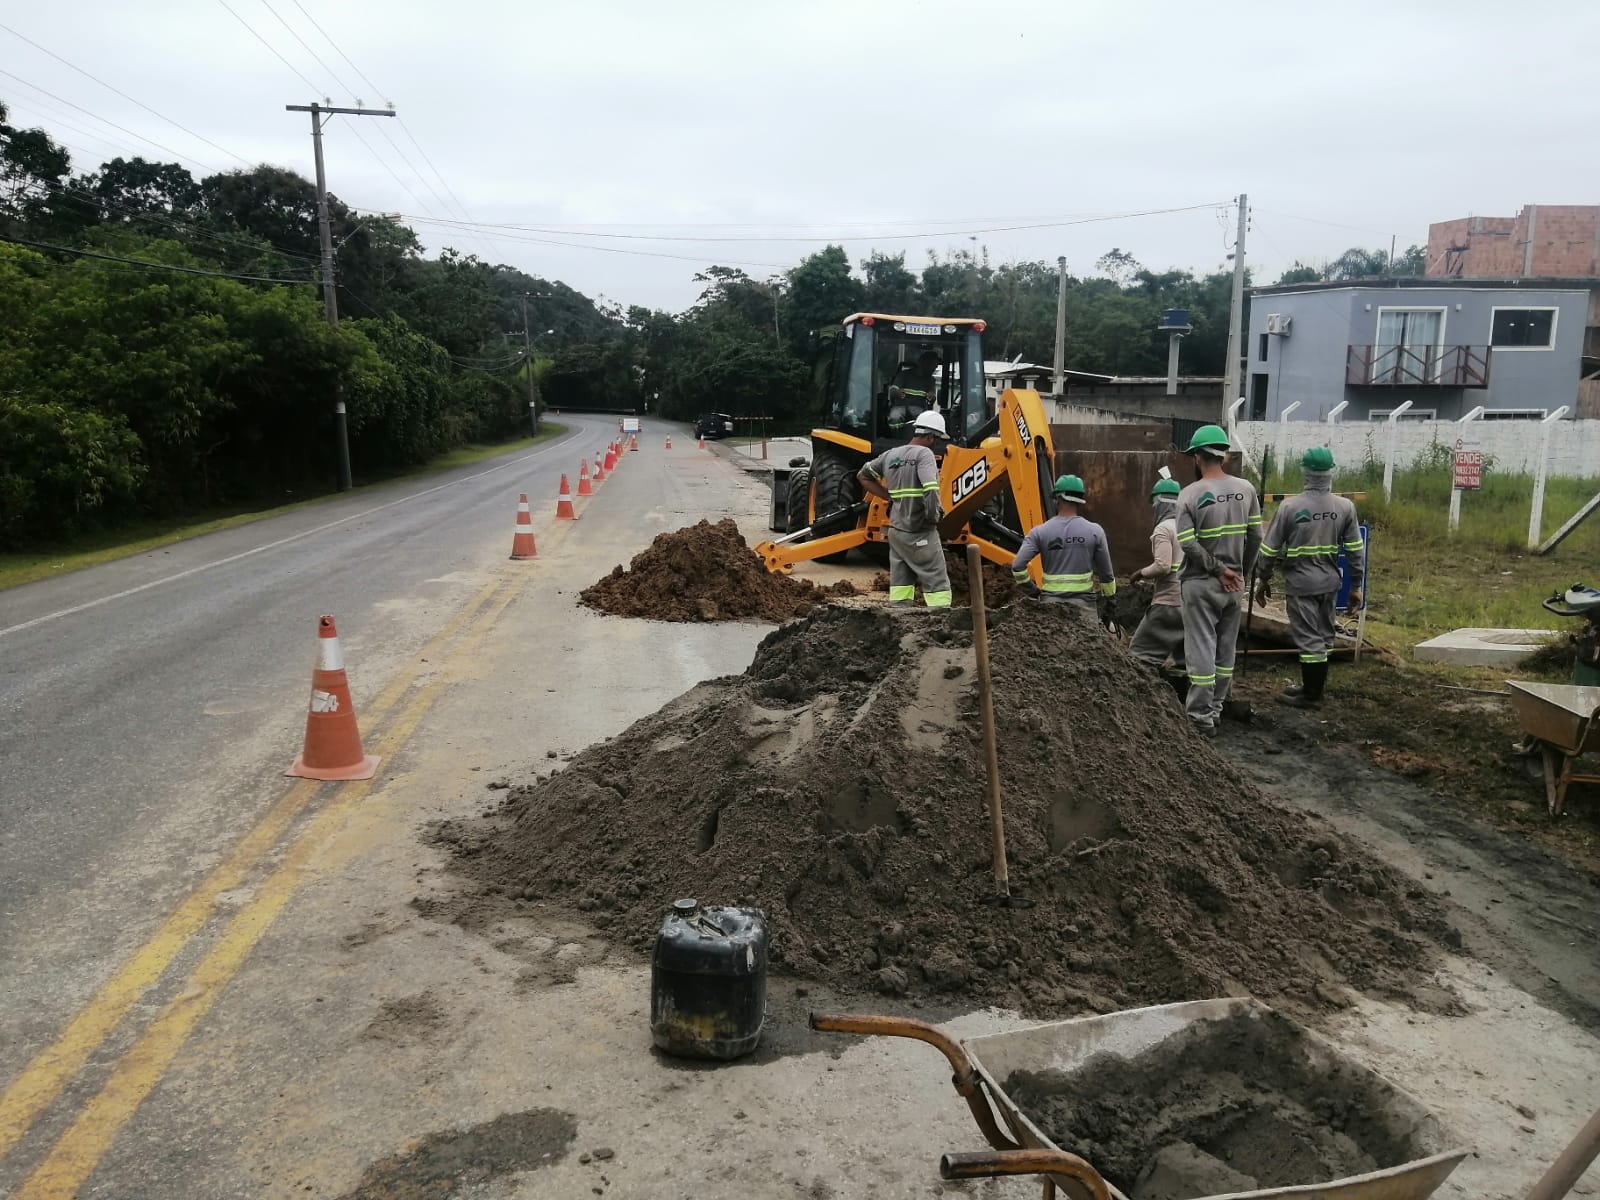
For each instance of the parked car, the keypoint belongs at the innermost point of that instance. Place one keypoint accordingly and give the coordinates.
(713, 425)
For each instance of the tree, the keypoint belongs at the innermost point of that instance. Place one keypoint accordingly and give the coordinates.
(33, 170)
(132, 187)
(889, 288)
(1299, 273)
(1119, 265)
(821, 292)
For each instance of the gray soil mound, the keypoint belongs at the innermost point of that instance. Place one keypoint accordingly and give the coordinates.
(705, 572)
(1224, 1106)
(838, 785)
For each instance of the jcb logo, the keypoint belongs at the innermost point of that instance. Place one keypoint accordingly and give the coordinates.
(1022, 425)
(970, 480)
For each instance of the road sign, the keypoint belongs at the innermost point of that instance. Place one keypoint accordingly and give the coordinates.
(1466, 468)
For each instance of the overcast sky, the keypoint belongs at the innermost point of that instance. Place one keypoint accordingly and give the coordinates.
(1345, 122)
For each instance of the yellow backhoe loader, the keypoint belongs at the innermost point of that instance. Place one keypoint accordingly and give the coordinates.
(994, 475)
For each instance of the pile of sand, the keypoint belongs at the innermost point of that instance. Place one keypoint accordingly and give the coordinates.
(705, 572)
(838, 785)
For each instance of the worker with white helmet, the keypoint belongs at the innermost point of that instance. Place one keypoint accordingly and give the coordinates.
(908, 478)
(1160, 634)
(1071, 549)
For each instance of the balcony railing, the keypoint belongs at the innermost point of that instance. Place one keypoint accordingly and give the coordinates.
(1417, 366)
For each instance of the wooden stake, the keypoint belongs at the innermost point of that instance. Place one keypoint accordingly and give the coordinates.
(991, 753)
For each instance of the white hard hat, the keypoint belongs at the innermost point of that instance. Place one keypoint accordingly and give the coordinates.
(929, 421)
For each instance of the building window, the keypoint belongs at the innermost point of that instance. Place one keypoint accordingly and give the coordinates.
(1523, 329)
(1258, 396)
(1263, 351)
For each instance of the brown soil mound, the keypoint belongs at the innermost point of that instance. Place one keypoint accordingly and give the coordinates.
(838, 785)
(998, 586)
(705, 572)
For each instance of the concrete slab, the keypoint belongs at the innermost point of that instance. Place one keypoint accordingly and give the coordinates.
(1483, 647)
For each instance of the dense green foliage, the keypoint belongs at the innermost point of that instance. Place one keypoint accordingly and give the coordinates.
(128, 390)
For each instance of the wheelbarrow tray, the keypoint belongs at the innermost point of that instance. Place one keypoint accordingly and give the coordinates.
(1067, 1047)
(1562, 714)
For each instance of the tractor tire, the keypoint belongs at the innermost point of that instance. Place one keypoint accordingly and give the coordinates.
(797, 504)
(833, 486)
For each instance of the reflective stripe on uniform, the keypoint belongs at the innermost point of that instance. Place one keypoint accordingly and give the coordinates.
(937, 599)
(1066, 584)
(1320, 657)
(1202, 680)
(898, 595)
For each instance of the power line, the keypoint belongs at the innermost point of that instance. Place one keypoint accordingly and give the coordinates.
(870, 237)
(314, 88)
(544, 241)
(125, 96)
(106, 121)
(144, 262)
(348, 90)
(376, 90)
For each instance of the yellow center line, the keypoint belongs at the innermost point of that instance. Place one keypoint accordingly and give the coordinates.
(78, 1150)
(41, 1081)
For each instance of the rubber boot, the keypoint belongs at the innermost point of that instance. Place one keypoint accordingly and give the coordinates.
(1313, 678)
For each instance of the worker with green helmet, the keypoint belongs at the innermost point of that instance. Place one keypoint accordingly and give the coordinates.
(1305, 537)
(1219, 532)
(1160, 634)
(1072, 551)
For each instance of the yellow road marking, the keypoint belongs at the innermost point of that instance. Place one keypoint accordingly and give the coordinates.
(41, 1081)
(79, 1150)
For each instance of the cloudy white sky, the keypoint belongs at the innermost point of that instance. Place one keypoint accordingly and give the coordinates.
(765, 129)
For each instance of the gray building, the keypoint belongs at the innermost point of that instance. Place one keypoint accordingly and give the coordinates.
(1447, 345)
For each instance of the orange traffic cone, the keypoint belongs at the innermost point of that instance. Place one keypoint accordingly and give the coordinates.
(634, 445)
(333, 743)
(611, 458)
(584, 487)
(702, 443)
(599, 470)
(564, 510)
(669, 441)
(522, 546)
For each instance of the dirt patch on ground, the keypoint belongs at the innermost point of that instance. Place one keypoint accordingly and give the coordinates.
(455, 1162)
(706, 572)
(837, 784)
(407, 1019)
(1246, 1102)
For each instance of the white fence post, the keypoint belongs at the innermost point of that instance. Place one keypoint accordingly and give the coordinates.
(1455, 492)
(1389, 451)
(1231, 425)
(1536, 517)
(1333, 417)
(1282, 439)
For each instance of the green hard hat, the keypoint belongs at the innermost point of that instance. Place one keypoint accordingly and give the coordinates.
(1069, 487)
(1318, 458)
(1165, 487)
(1208, 437)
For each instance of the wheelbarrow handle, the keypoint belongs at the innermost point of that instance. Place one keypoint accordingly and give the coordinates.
(988, 1164)
(968, 1083)
(904, 1027)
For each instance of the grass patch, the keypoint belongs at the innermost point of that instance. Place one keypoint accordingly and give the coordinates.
(1427, 581)
(104, 546)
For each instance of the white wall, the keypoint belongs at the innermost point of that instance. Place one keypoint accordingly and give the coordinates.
(1513, 445)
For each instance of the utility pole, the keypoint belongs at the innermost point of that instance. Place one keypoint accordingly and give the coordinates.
(527, 364)
(330, 295)
(1061, 327)
(1230, 377)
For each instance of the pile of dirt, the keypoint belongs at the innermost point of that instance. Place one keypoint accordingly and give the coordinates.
(1230, 1105)
(838, 785)
(705, 572)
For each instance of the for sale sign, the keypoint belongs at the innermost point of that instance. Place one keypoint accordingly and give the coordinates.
(1467, 465)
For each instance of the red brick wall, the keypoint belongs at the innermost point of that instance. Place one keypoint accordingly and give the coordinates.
(1564, 243)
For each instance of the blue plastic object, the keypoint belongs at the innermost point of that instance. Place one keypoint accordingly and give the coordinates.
(1343, 602)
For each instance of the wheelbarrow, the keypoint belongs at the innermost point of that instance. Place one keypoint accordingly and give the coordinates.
(1560, 721)
(1020, 1147)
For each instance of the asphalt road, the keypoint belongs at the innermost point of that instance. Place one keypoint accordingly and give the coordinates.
(149, 706)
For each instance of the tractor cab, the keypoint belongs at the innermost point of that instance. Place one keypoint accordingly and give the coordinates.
(886, 369)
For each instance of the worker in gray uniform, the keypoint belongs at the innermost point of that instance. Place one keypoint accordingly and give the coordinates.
(1219, 532)
(908, 478)
(1305, 537)
(1073, 553)
(1160, 634)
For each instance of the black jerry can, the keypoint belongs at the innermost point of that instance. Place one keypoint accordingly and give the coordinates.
(708, 981)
